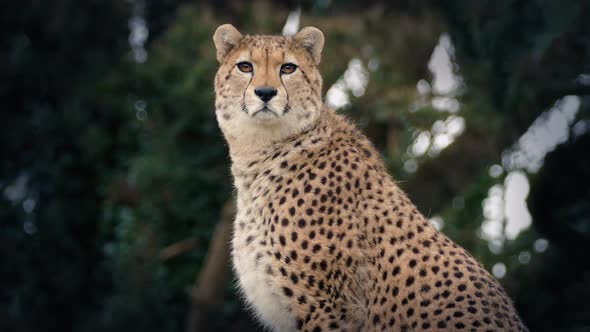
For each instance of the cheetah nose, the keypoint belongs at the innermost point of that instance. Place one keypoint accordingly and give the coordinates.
(265, 93)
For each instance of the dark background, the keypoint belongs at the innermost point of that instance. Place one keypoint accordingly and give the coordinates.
(115, 192)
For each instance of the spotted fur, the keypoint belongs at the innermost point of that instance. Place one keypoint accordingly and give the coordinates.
(324, 239)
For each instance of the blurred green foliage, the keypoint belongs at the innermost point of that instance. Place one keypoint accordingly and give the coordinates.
(107, 162)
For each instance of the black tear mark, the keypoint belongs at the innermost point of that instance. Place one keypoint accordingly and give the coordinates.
(247, 86)
(287, 108)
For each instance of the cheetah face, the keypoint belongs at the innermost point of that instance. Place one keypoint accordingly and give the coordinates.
(267, 83)
(264, 75)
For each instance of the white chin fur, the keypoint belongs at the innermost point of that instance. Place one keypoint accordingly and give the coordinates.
(267, 116)
(246, 133)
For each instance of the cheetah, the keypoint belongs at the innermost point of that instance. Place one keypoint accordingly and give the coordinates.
(323, 237)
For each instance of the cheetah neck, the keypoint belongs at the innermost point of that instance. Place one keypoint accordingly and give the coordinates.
(256, 143)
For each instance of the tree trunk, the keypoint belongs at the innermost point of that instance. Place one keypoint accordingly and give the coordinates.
(207, 296)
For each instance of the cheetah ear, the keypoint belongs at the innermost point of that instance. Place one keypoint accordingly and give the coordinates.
(226, 37)
(312, 39)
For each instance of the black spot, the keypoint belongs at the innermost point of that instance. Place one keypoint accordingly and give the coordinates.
(316, 248)
(392, 321)
(301, 223)
(376, 319)
(299, 324)
(349, 261)
(287, 291)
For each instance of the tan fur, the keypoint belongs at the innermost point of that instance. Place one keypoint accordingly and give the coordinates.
(324, 239)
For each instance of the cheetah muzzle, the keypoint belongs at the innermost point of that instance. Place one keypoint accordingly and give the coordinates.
(323, 238)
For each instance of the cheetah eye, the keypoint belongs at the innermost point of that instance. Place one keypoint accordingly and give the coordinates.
(288, 68)
(245, 67)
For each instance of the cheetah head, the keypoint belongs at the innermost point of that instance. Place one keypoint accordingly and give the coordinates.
(267, 87)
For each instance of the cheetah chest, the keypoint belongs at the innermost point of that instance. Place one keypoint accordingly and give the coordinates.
(257, 277)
